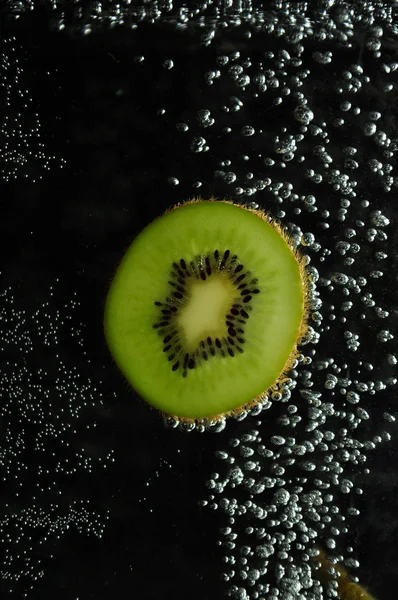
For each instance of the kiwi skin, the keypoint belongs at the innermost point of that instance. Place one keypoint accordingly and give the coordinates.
(302, 330)
(347, 590)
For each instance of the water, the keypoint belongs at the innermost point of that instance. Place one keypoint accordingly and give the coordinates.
(112, 114)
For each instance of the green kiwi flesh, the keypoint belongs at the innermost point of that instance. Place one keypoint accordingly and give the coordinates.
(205, 309)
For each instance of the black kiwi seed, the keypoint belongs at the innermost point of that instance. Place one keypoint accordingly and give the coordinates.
(178, 270)
(224, 260)
(202, 268)
(240, 278)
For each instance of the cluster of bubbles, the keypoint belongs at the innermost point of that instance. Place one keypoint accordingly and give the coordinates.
(43, 407)
(24, 153)
(288, 18)
(290, 484)
(288, 490)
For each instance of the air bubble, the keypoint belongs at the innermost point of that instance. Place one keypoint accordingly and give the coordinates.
(303, 114)
(247, 131)
(370, 129)
(198, 144)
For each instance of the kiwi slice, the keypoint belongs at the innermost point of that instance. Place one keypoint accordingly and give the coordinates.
(206, 309)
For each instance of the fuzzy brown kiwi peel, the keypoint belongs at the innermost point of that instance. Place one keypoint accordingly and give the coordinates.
(346, 588)
(206, 310)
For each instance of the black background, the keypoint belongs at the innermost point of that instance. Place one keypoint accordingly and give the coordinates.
(99, 110)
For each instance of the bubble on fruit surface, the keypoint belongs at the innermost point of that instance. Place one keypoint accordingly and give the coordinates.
(44, 405)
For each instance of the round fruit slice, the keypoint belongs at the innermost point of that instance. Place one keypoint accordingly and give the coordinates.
(206, 309)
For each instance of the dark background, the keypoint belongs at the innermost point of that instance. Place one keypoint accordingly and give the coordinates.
(66, 219)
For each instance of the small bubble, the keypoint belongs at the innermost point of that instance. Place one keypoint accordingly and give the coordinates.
(370, 129)
(247, 130)
(303, 114)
